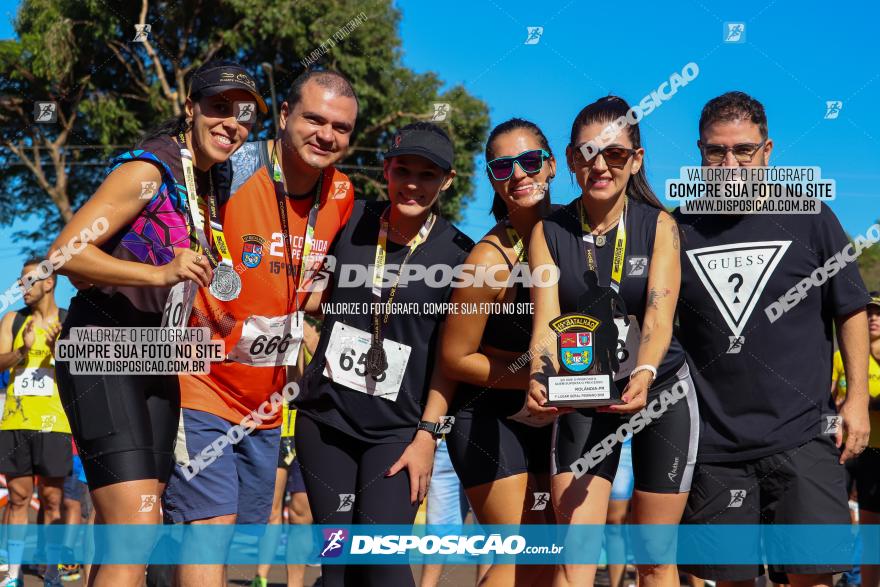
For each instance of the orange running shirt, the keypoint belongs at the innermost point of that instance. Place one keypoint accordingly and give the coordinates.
(253, 233)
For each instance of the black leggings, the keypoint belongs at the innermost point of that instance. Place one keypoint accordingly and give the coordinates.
(124, 425)
(335, 466)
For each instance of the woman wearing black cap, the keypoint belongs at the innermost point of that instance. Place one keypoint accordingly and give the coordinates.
(372, 402)
(151, 238)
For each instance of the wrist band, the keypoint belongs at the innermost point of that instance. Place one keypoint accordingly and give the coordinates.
(650, 368)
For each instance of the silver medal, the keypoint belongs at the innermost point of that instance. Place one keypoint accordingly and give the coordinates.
(600, 240)
(226, 285)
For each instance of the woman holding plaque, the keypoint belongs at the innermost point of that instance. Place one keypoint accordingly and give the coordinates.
(501, 456)
(372, 404)
(612, 315)
(125, 425)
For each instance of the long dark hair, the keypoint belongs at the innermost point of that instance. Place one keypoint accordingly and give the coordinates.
(179, 124)
(606, 110)
(499, 208)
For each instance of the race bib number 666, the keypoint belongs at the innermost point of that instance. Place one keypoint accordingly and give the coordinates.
(269, 341)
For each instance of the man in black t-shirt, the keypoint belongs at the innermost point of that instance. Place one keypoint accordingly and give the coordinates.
(767, 454)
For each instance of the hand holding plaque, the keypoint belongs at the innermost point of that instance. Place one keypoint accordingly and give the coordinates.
(587, 350)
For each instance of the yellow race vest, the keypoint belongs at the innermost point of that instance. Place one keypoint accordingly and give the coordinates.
(288, 420)
(873, 391)
(32, 401)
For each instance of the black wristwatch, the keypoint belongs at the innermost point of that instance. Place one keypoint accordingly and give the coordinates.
(437, 429)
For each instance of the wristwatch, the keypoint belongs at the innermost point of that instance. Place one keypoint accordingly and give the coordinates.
(436, 429)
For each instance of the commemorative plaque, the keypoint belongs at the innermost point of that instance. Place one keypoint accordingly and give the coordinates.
(587, 351)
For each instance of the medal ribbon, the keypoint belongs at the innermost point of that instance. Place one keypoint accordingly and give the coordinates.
(217, 230)
(619, 246)
(309, 236)
(519, 247)
(194, 214)
(380, 317)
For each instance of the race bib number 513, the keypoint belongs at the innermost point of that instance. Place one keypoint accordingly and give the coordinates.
(39, 381)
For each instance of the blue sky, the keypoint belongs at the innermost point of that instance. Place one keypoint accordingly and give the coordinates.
(795, 57)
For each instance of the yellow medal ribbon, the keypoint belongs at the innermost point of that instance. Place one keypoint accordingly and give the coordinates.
(619, 245)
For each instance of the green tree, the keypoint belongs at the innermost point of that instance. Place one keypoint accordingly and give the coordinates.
(869, 265)
(110, 88)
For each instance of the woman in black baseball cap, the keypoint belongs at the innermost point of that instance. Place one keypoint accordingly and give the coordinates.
(148, 237)
(372, 403)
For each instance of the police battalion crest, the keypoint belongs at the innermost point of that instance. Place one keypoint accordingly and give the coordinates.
(574, 337)
(252, 250)
(576, 350)
(583, 380)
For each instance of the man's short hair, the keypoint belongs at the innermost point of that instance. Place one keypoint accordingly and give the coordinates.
(36, 260)
(332, 80)
(734, 106)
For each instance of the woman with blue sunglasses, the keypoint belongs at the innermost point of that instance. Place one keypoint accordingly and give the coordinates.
(501, 456)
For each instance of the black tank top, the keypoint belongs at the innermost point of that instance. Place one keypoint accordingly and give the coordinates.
(562, 231)
(510, 332)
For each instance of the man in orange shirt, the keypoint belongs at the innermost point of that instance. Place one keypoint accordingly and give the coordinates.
(285, 204)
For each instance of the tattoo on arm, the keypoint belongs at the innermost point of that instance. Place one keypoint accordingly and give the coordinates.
(654, 295)
(674, 236)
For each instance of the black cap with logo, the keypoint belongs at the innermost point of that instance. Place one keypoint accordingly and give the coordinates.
(210, 80)
(875, 299)
(426, 140)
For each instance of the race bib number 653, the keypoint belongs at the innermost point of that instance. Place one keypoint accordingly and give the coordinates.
(346, 362)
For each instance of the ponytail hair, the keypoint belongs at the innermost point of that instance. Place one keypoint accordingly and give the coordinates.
(606, 110)
(499, 208)
(169, 127)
